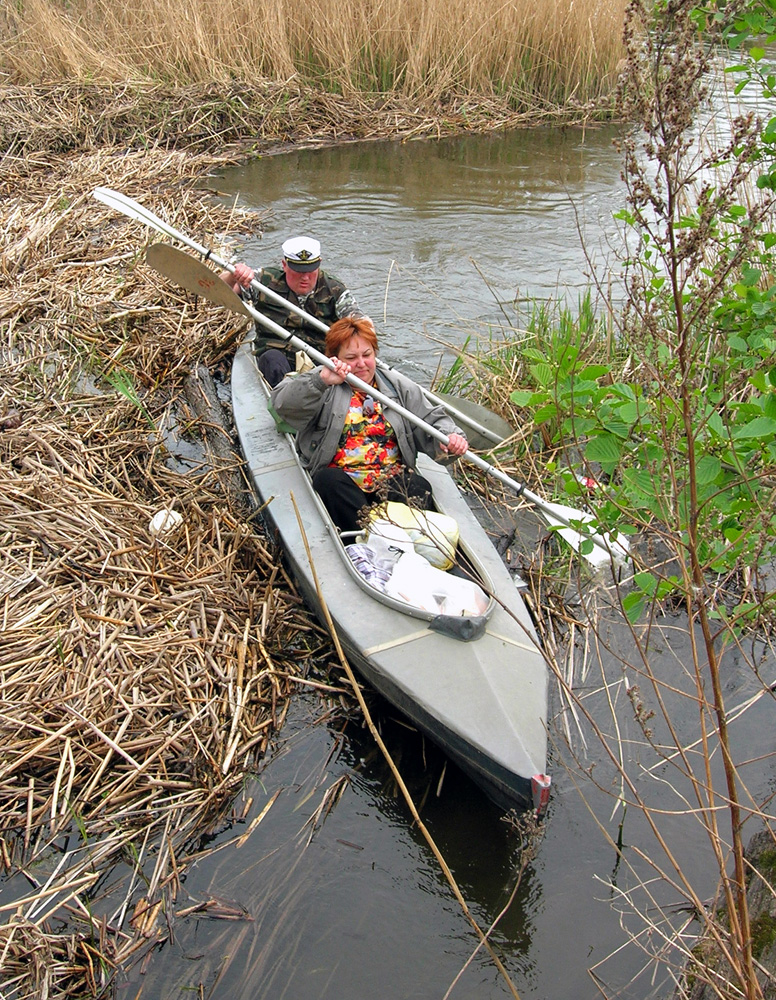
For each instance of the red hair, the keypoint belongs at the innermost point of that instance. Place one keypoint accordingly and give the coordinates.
(341, 331)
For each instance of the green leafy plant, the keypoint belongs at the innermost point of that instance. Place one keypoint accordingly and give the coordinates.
(679, 421)
(121, 380)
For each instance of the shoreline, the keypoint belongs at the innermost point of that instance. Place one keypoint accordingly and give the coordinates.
(247, 120)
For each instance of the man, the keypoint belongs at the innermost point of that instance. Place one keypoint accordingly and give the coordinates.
(300, 281)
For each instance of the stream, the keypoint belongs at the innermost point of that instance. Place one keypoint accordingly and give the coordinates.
(334, 894)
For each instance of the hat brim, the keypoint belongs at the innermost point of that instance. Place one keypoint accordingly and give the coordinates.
(303, 266)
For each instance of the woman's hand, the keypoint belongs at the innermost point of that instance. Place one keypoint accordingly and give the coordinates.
(456, 445)
(341, 371)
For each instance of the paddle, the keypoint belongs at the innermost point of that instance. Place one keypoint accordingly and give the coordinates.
(187, 271)
(495, 434)
(569, 522)
(474, 415)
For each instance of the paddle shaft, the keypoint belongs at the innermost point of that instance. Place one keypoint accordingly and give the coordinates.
(519, 489)
(136, 211)
(552, 512)
(318, 324)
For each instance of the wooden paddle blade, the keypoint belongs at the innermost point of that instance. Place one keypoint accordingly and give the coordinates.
(496, 428)
(194, 276)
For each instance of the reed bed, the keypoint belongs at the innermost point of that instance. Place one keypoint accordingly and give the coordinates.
(236, 119)
(142, 675)
(536, 55)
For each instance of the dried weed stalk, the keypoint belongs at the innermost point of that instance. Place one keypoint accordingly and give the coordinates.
(141, 676)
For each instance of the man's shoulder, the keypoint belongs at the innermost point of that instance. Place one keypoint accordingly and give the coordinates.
(272, 276)
(327, 280)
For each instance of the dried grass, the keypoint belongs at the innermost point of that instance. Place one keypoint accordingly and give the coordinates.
(547, 54)
(236, 119)
(140, 677)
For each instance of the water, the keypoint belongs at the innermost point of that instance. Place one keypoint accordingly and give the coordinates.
(342, 897)
(439, 239)
(340, 894)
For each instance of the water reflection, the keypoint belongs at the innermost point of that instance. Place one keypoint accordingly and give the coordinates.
(441, 237)
(350, 903)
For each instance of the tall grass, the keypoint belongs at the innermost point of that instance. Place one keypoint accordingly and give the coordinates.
(544, 53)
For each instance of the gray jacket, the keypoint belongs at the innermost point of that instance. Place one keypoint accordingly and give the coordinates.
(317, 412)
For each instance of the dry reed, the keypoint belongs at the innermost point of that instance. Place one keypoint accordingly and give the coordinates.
(141, 676)
(548, 54)
(234, 119)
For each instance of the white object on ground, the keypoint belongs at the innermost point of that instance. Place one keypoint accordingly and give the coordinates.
(164, 522)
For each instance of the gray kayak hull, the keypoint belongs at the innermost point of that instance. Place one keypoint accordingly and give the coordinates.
(482, 701)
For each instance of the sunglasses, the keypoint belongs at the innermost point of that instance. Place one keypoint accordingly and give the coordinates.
(368, 407)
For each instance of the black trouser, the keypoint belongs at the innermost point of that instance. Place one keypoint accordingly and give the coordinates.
(344, 499)
(274, 365)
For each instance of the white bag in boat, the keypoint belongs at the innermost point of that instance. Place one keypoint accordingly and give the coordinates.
(387, 540)
(415, 581)
(434, 535)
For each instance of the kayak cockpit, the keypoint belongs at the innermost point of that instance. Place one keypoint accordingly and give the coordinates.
(463, 627)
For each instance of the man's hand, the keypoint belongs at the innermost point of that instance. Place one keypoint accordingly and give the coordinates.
(240, 277)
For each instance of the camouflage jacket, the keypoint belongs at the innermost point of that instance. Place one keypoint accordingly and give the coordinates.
(328, 301)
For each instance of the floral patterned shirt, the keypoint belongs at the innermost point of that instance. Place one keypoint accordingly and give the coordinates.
(368, 449)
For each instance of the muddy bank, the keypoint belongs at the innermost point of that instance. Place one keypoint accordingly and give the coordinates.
(241, 120)
(707, 973)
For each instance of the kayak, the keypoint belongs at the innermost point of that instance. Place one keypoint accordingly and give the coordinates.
(475, 684)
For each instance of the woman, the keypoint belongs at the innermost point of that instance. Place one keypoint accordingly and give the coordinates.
(358, 452)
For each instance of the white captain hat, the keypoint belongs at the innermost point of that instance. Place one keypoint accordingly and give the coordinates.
(302, 253)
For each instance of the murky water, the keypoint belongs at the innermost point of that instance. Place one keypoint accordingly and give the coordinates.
(339, 896)
(438, 239)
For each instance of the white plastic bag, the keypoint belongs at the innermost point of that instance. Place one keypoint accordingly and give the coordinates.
(376, 561)
(388, 541)
(415, 581)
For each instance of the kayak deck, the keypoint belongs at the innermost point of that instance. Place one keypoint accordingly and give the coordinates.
(482, 696)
